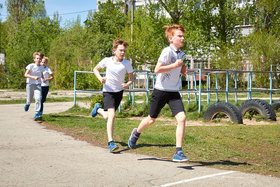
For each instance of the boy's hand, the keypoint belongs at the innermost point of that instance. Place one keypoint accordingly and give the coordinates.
(179, 63)
(125, 86)
(36, 78)
(102, 80)
(184, 70)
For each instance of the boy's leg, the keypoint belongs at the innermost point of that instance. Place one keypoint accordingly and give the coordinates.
(38, 97)
(180, 130)
(29, 96)
(177, 108)
(110, 123)
(145, 123)
(135, 134)
(158, 101)
(29, 93)
(45, 90)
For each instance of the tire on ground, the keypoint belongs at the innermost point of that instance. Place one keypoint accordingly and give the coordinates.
(261, 106)
(230, 110)
(276, 106)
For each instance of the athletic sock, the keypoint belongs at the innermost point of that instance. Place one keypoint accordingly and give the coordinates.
(137, 134)
(178, 149)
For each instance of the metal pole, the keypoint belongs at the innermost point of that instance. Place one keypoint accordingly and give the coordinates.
(208, 89)
(227, 86)
(235, 87)
(188, 89)
(248, 87)
(75, 88)
(217, 94)
(251, 77)
(270, 87)
(195, 87)
(147, 89)
(199, 101)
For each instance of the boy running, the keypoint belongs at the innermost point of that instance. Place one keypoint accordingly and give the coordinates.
(34, 73)
(166, 91)
(113, 86)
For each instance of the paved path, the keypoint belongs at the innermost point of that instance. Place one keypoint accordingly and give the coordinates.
(31, 155)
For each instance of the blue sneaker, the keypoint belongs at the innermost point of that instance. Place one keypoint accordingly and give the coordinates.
(37, 117)
(132, 139)
(180, 157)
(113, 147)
(26, 107)
(94, 110)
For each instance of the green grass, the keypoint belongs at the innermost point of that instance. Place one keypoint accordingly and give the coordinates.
(253, 149)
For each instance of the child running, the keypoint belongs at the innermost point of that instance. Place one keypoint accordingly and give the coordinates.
(166, 91)
(34, 73)
(48, 75)
(113, 85)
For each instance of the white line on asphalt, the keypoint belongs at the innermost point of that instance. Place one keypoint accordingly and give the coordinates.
(196, 178)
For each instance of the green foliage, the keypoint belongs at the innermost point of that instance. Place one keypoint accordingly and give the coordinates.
(33, 35)
(96, 98)
(208, 33)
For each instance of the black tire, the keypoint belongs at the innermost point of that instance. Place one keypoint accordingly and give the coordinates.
(261, 106)
(276, 106)
(226, 108)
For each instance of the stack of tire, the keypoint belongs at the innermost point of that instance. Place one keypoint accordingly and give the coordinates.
(236, 115)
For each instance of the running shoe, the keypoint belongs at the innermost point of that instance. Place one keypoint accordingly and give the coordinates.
(94, 110)
(132, 139)
(26, 107)
(180, 157)
(113, 147)
(37, 117)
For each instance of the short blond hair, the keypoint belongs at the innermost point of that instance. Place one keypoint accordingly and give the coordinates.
(39, 54)
(170, 30)
(118, 42)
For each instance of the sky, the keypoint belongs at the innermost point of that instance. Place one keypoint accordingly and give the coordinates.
(68, 9)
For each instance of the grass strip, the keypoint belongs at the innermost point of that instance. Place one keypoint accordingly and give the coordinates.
(252, 149)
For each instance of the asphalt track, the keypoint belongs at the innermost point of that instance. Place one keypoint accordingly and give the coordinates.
(31, 155)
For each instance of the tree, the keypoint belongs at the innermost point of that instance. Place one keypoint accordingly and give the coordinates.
(32, 35)
(175, 8)
(267, 15)
(102, 28)
(19, 10)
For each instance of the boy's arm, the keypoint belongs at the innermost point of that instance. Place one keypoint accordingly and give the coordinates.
(130, 82)
(48, 79)
(161, 68)
(97, 74)
(27, 75)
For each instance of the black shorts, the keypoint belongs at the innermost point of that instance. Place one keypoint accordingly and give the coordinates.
(160, 98)
(112, 99)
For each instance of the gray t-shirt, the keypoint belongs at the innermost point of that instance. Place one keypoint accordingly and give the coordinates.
(170, 80)
(115, 73)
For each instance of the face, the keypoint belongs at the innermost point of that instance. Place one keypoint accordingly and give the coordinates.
(120, 52)
(37, 60)
(44, 62)
(178, 39)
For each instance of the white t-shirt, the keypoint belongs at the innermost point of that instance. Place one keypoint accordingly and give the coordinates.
(46, 73)
(170, 80)
(115, 73)
(34, 71)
